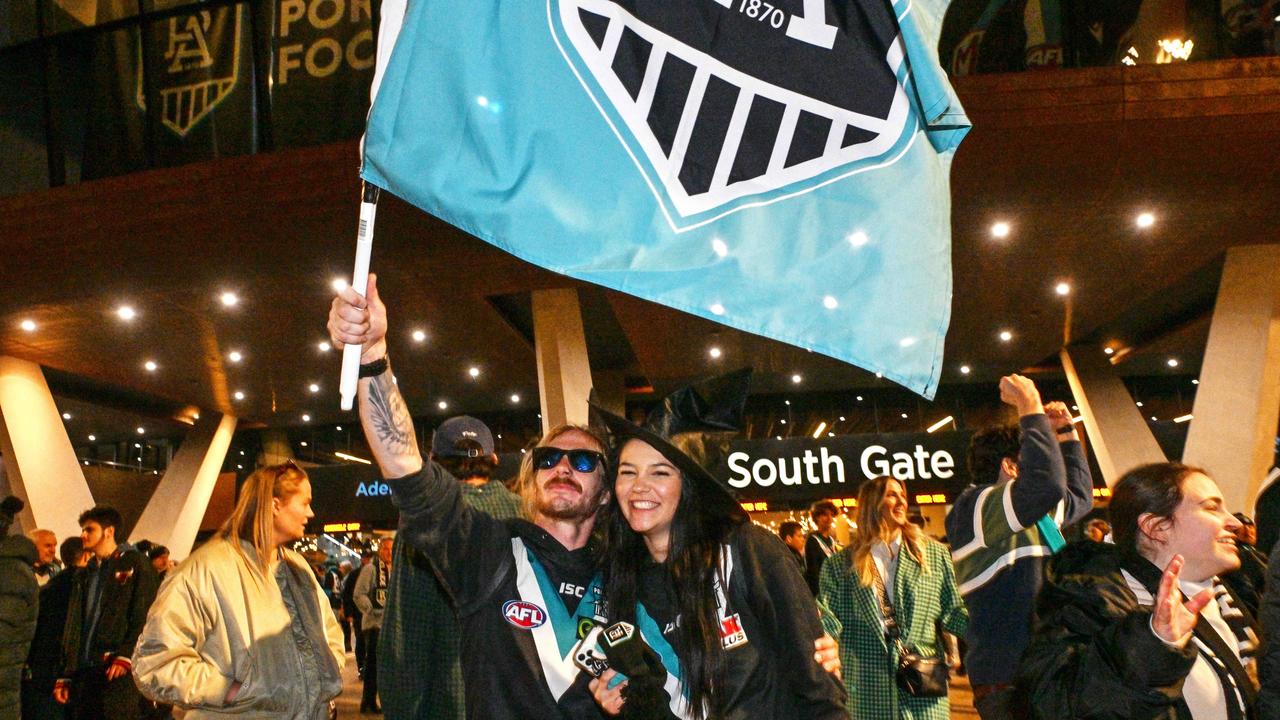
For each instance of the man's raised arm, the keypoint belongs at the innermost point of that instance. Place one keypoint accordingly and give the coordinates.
(388, 426)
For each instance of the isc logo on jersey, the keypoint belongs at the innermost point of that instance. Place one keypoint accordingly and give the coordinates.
(524, 615)
(727, 104)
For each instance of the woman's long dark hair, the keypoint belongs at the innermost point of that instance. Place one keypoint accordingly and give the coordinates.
(693, 559)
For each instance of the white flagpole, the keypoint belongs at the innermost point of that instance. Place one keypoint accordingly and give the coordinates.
(360, 283)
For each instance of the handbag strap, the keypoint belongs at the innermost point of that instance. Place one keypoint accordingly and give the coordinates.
(892, 633)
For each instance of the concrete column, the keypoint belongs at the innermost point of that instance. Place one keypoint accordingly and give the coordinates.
(173, 515)
(1120, 436)
(40, 463)
(1238, 401)
(275, 448)
(564, 374)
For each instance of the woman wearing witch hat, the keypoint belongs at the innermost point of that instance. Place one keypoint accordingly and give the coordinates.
(717, 597)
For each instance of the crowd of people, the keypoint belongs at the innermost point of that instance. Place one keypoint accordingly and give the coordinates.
(622, 577)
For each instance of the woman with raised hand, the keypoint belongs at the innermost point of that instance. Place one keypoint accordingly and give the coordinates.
(242, 627)
(893, 588)
(719, 599)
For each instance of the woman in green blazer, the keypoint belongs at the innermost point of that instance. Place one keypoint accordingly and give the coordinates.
(920, 584)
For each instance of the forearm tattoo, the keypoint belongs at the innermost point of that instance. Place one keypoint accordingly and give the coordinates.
(389, 420)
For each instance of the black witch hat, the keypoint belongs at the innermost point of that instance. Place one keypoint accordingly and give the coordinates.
(691, 427)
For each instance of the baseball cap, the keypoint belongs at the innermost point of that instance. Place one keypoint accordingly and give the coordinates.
(458, 437)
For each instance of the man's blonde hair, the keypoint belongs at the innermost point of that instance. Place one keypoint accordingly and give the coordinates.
(526, 485)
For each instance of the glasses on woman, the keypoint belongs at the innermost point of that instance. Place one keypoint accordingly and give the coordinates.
(584, 461)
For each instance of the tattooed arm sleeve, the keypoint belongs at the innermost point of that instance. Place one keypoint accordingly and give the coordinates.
(388, 427)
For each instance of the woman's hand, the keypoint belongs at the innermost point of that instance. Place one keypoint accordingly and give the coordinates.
(827, 654)
(1171, 619)
(608, 698)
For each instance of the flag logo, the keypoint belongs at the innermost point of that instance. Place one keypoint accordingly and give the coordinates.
(201, 65)
(775, 101)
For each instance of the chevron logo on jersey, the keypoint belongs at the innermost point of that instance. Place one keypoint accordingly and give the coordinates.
(722, 103)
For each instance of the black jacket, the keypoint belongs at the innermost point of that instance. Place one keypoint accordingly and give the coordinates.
(1092, 653)
(1269, 652)
(473, 556)
(45, 659)
(129, 587)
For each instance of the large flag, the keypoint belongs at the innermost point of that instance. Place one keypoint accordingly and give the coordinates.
(779, 167)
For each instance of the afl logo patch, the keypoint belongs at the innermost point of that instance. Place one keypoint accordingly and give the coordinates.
(726, 104)
(524, 615)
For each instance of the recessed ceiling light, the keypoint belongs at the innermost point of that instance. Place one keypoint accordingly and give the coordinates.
(150, 365)
(443, 405)
(1139, 403)
(783, 421)
(324, 346)
(473, 372)
(859, 398)
(515, 399)
(715, 353)
(964, 369)
(242, 452)
(841, 418)
(239, 395)
(1005, 336)
(137, 445)
(303, 443)
(339, 428)
(1154, 419)
(1062, 289)
(92, 438)
(1145, 220)
(235, 356)
(879, 375)
(786, 402)
(313, 387)
(419, 336)
(1195, 381)
(229, 299)
(796, 379)
(775, 437)
(904, 416)
(28, 325)
(831, 434)
(142, 430)
(338, 284)
(239, 467)
(126, 312)
(1109, 351)
(66, 416)
(306, 417)
(1000, 229)
(1172, 362)
(829, 302)
(717, 309)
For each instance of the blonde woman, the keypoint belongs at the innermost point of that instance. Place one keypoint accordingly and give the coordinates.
(242, 627)
(890, 561)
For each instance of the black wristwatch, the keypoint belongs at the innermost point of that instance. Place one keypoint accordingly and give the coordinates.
(375, 368)
(1064, 430)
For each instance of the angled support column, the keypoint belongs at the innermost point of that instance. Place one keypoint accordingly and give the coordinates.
(173, 515)
(1232, 433)
(1121, 439)
(40, 463)
(564, 374)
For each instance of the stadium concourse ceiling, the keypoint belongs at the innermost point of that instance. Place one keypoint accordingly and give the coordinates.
(1067, 159)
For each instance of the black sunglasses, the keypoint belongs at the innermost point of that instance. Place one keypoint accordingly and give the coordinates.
(583, 461)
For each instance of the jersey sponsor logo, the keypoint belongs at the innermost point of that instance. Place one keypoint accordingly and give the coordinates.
(523, 614)
(731, 633)
(775, 102)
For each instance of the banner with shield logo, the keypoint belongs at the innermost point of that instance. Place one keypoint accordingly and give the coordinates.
(780, 167)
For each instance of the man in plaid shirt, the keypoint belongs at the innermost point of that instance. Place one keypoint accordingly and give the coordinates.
(418, 651)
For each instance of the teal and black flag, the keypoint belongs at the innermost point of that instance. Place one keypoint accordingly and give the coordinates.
(779, 167)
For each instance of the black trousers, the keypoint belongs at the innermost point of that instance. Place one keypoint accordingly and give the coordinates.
(94, 697)
(356, 623)
(369, 699)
